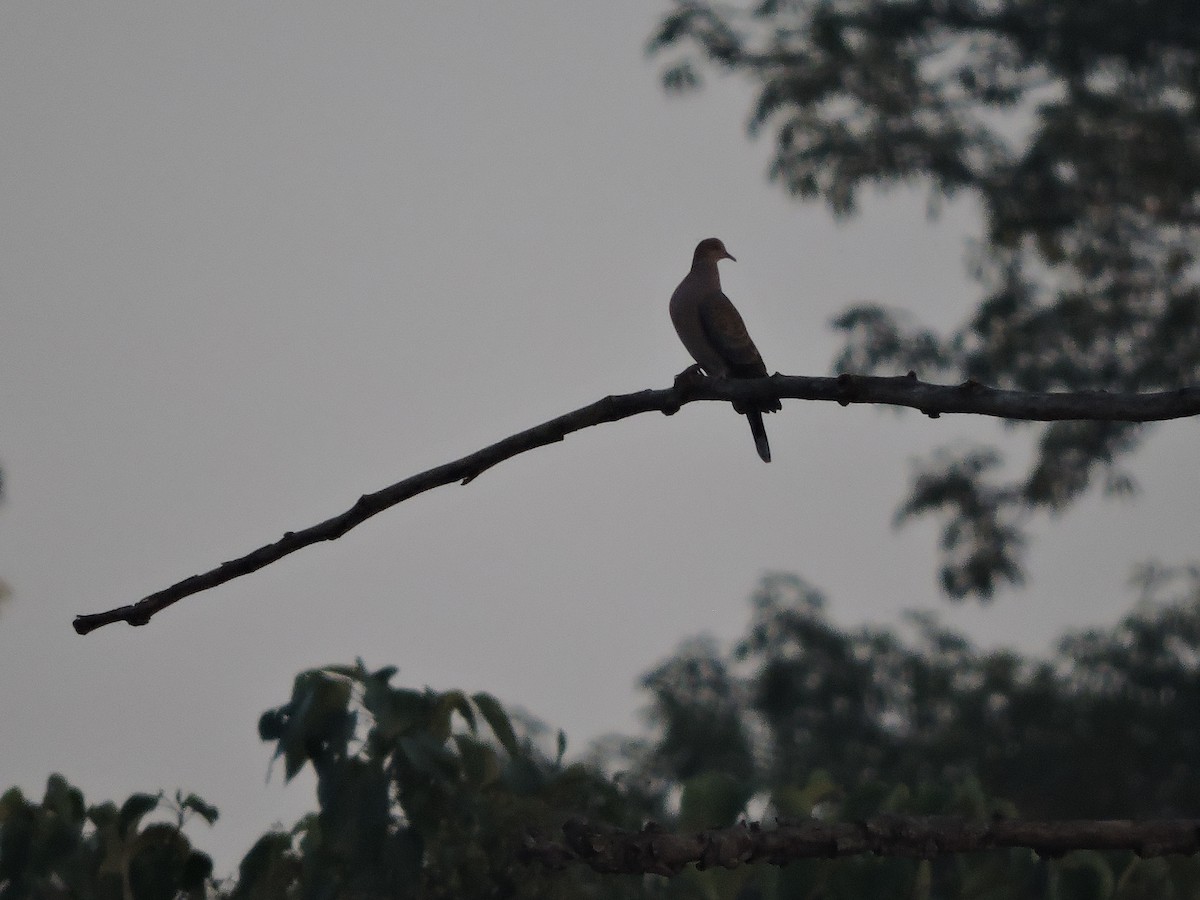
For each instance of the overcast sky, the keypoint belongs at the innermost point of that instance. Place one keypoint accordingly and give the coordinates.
(259, 259)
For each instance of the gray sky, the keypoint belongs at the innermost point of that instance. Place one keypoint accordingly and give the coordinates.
(257, 260)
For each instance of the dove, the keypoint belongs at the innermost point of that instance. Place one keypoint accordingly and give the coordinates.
(713, 332)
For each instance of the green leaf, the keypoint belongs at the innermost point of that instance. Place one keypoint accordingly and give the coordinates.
(456, 701)
(133, 809)
(195, 804)
(316, 725)
(493, 713)
(442, 709)
(103, 815)
(65, 801)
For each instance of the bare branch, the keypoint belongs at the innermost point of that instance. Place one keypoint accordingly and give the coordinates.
(655, 851)
(931, 399)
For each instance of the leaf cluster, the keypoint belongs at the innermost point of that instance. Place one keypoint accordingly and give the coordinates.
(421, 794)
(62, 848)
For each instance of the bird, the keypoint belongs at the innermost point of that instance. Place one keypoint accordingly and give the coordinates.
(714, 334)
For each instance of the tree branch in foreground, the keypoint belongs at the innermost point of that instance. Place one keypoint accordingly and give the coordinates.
(906, 390)
(658, 852)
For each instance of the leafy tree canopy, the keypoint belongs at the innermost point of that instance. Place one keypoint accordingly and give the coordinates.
(1075, 125)
(430, 794)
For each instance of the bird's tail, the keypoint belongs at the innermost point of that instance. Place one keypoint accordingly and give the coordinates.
(760, 434)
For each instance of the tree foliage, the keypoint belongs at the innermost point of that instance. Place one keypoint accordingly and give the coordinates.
(62, 848)
(428, 794)
(843, 725)
(1100, 730)
(420, 793)
(1075, 127)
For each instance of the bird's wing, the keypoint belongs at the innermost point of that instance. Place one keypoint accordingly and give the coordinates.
(726, 332)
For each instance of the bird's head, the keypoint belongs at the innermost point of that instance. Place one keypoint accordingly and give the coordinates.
(711, 250)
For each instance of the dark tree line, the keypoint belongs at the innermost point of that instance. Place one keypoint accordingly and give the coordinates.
(439, 794)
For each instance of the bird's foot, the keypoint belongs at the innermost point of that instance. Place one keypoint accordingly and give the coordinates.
(685, 382)
(692, 376)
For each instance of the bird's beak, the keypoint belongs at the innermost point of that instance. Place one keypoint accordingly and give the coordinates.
(729, 255)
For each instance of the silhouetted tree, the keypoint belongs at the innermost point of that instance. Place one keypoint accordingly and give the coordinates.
(428, 794)
(1075, 125)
